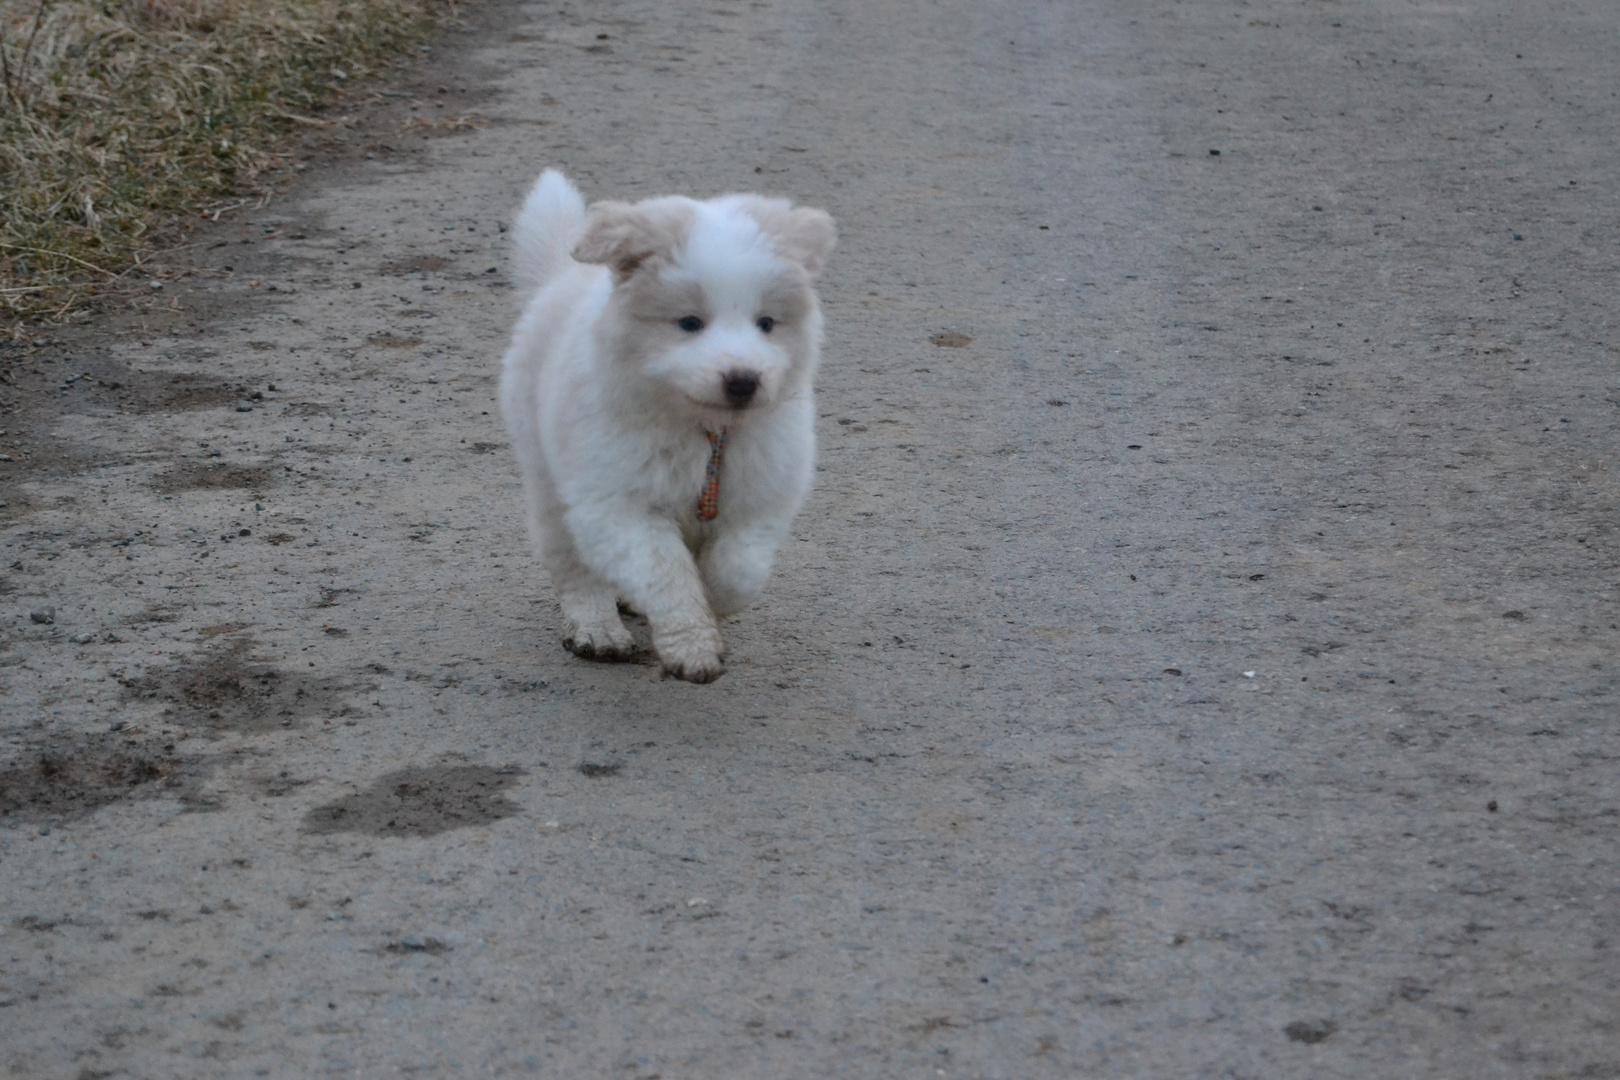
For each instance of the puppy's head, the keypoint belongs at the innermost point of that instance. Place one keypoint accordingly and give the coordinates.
(713, 300)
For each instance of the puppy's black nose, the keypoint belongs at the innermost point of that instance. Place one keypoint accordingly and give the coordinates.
(740, 388)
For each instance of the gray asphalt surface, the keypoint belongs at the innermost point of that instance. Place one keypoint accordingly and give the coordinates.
(1197, 659)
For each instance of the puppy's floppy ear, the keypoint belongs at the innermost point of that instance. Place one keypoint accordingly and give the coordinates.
(804, 235)
(623, 237)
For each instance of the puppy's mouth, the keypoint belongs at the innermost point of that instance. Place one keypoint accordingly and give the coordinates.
(720, 408)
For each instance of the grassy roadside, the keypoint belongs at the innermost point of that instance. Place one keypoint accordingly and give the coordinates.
(120, 117)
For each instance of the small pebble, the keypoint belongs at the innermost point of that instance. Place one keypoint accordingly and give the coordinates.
(44, 616)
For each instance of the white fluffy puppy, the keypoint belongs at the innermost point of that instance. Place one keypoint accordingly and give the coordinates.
(658, 395)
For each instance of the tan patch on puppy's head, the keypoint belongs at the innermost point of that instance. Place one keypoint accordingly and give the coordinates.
(625, 238)
(799, 233)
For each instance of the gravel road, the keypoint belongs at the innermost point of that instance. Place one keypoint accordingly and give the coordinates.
(1197, 659)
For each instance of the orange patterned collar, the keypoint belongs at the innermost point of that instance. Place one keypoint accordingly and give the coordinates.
(708, 506)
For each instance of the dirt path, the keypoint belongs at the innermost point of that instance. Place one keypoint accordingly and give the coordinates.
(1197, 658)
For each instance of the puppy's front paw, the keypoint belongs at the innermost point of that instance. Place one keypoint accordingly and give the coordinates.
(692, 654)
(599, 642)
(704, 669)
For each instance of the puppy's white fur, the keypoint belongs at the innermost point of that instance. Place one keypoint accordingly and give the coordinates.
(610, 401)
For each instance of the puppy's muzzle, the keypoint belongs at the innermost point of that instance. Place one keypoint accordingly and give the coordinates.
(740, 388)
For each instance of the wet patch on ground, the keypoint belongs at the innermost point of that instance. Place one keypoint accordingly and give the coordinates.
(223, 689)
(386, 340)
(201, 475)
(332, 596)
(42, 383)
(420, 264)
(310, 408)
(55, 379)
(430, 945)
(170, 391)
(66, 780)
(273, 786)
(422, 801)
(1310, 1031)
(154, 613)
(31, 396)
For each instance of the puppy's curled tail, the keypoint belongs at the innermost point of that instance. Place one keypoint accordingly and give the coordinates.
(548, 227)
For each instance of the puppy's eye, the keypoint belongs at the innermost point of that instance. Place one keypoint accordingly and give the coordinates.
(691, 324)
(766, 324)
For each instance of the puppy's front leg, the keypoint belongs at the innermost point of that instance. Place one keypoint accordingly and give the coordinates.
(646, 560)
(736, 564)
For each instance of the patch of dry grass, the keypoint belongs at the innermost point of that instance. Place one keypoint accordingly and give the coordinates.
(116, 116)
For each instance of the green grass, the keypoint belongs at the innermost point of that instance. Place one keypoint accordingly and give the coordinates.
(118, 117)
